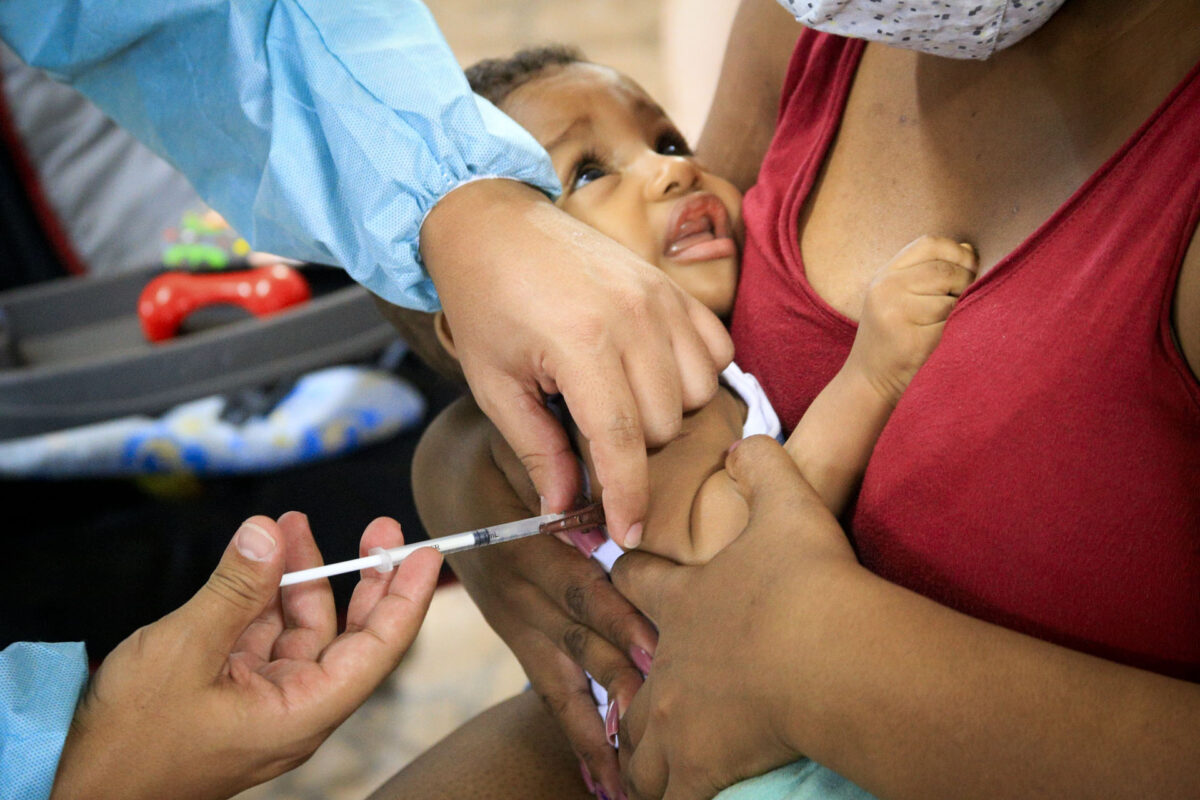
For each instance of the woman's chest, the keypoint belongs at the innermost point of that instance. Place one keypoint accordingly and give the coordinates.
(985, 162)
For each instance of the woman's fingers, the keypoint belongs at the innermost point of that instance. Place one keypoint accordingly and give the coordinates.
(563, 688)
(592, 600)
(643, 763)
(648, 582)
(772, 485)
(258, 639)
(309, 616)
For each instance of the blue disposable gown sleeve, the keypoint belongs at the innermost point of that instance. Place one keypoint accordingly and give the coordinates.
(324, 130)
(40, 685)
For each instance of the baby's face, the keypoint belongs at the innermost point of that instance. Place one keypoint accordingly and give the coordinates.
(627, 172)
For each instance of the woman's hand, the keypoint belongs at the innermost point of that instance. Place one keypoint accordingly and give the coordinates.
(541, 303)
(782, 644)
(560, 615)
(246, 680)
(715, 707)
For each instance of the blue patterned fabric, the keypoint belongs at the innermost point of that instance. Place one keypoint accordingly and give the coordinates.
(40, 684)
(323, 130)
(328, 413)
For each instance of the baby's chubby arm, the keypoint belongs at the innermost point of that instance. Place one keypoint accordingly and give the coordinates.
(694, 511)
(906, 307)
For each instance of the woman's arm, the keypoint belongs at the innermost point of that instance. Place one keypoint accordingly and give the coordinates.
(905, 697)
(742, 118)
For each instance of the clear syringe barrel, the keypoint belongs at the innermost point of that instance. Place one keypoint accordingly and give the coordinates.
(385, 560)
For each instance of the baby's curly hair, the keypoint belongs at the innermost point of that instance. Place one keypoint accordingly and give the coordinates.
(493, 79)
(496, 78)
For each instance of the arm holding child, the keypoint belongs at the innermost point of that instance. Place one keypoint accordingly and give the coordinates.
(695, 508)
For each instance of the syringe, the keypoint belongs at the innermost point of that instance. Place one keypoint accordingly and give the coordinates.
(385, 560)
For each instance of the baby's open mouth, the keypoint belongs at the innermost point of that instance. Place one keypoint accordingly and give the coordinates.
(698, 230)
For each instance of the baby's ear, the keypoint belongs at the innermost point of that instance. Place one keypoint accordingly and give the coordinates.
(445, 337)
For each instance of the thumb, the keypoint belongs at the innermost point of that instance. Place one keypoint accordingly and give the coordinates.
(769, 479)
(782, 503)
(243, 584)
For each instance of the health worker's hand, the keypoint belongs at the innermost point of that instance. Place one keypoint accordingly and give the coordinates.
(244, 681)
(540, 304)
(718, 704)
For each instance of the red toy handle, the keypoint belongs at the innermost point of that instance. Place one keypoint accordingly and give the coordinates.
(168, 299)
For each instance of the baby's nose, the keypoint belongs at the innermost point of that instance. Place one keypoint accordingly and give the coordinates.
(672, 175)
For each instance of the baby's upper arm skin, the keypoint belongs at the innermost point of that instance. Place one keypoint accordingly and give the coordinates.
(461, 480)
(686, 518)
(457, 483)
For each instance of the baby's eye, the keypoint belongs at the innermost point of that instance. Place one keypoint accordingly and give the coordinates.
(586, 173)
(672, 144)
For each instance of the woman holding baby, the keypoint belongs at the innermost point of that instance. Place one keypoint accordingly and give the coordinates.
(1009, 610)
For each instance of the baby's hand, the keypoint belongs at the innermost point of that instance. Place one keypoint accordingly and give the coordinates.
(905, 310)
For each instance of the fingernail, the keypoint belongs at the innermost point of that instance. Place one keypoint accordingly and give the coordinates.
(634, 536)
(587, 777)
(612, 722)
(587, 541)
(642, 659)
(733, 447)
(254, 543)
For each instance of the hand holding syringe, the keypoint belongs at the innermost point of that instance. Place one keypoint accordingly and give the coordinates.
(386, 560)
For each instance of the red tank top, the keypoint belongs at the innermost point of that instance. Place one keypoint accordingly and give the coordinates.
(1042, 471)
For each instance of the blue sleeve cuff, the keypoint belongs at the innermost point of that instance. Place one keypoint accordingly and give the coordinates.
(323, 130)
(40, 684)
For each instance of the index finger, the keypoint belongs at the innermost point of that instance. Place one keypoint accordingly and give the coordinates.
(650, 582)
(533, 432)
(603, 407)
(358, 661)
(372, 585)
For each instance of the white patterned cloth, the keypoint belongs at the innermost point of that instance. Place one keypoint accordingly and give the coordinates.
(952, 28)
